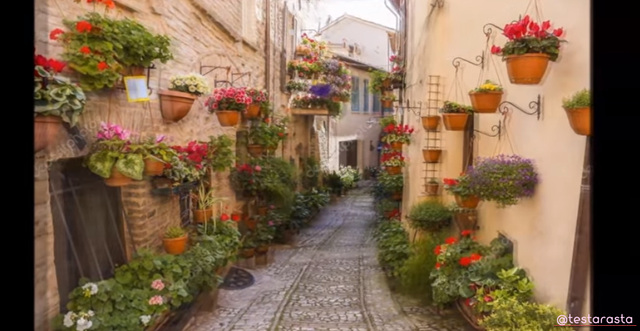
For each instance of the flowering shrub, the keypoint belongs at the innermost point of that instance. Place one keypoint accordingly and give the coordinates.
(526, 37)
(191, 164)
(229, 98)
(460, 187)
(488, 86)
(113, 148)
(317, 47)
(306, 68)
(455, 108)
(257, 96)
(297, 86)
(397, 70)
(397, 133)
(310, 101)
(247, 179)
(392, 159)
(504, 179)
(192, 83)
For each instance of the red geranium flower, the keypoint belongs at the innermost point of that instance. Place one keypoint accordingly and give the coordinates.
(438, 250)
(102, 66)
(83, 26)
(464, 261)
(450, 240)
(466, 233)
(235, 217)
(438, 265)
(53, 35)
(475, 257)
(85, 50)
(224, 217)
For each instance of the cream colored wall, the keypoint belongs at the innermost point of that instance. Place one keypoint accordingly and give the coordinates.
(543, 227)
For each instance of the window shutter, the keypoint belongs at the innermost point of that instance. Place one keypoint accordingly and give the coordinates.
(365, 91)
(355, 93)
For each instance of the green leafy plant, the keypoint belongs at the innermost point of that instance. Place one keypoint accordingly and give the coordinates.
(415, 271)
(205, 197)
(386, 206)
(249, 241)
(460, 186)
(221, 155)
(155, 147)
(580, 99)
(113, 149)
(260, 134)
(173, 232)
(391, 183)
(487, 86)
(513, 314)
(386, 121)
(265, 232)
(450, 107)
(430, 215)
(377, 79)
(510, 283)
(393, 247)
(138, 47)
(526, 36)
(333, 181)
(55, 95)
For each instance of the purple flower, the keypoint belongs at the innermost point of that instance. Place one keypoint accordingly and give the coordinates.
(321, 90)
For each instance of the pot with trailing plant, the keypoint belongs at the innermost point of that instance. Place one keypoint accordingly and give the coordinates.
(578, 109)
(56, 99)
(114, 158)
(397, 135)
(393, 162)
(222, 156)
(277, 132)
(158, 155)
(530, 47)
(455, 115)
(504, 179)
(175, 240)
(387, 99)
(430, 123)
(430, 215)
(464, 194)
(248, 179)
(432, 187)
(486, 98)
(227, 103)
(431, 154)
(258, 98)
(176, 102)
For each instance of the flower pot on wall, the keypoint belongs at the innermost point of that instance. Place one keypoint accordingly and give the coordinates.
(262, 210)
(202, 215)
(336, 99)
(255, 150)
(228, 117)
(396, 196)
(153, 167)
(393, 170)
(117, 179)
(580, 120)
(250, 223)
(175, 246)
(485, 102)
(175, 105)
(387, 83)
(133, 71)
(430, 123)
(396, 146)
(470, 202)
(248, 253)
(527, 69)
(253, 110)
(45, 131)
(431, 189)
(431, 155)
(386, 103)
(466, 221)
(455, 122)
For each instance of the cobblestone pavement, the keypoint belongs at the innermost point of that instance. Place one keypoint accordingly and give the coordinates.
(329, 281)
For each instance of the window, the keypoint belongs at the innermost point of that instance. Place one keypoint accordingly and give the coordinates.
(365, 90)
(355, 93)
(377, 106)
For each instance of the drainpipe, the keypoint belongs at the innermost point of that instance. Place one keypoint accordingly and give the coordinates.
(267, 50)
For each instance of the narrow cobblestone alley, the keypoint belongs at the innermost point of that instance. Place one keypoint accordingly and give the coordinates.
(330, 280)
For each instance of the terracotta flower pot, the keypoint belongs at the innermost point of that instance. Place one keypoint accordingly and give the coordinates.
(253, 110)
(117, 179)
(262, 249)
(466, 221)
(133, 71)
(396, 146)
(175, 105)
(485, 102)
(580, 120)
(432, 189)
(527, 69)
(228, 117)
(455, 122)
(153, 167)
(469, 314)
(430, 123)
(250, 223)
(262, 210)
(386, 103)
(396, 196)
(175, 246)
(287, 236)
(431, 155)
(387, 83)
(336, 99)
(393, 170)
(255, 150)
(248, 253)
(202, 215)
(470, 202)
(45, 131)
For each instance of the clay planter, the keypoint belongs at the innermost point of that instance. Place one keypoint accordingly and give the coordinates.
(228, 117)
(202, 215)
(175, 246)
(527, 69)
(272, 149)
(255, 150)
(470, 202)
(485, 102)
(262, 210)
(387, 83)
(250, 223)
(253, 111)
(466, 221)
(455, 122)
(262, 249)
(153, 167)
(386, 103)
(431, 155)
(287, 236)
(175, 105)
(45, 131)
(431, 189)
(133, 71)
(396, 196)
(469, 314)
(248, 253)
(393, 170)
(396, 146)
(430, 123)
(117, 179)
(580, 120)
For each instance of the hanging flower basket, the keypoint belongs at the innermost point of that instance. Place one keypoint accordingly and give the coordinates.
(253, 110)
(431, 188)
(469, 202)
(46, 130)
(386, 103)
(386, 83)
(175, 105)
(227, 103)
(486, 98)
(153, 167)
(117, 179)
(466, 220)
(527, 69)
(393, 170)
(396, 146)
(431, 155)
(255, 150)
(430, 123)
(228, 117)
(578, 109)
(454, 115)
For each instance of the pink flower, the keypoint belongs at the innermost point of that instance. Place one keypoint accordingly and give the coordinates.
(258, 168)
(156, 300)
(270, 223)
(272, 207)
(160, 138)
(157, 285)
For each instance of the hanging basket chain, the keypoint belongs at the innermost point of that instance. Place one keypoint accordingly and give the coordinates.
(454, 85)
(497, 149)
(489, 64)
(536, 8)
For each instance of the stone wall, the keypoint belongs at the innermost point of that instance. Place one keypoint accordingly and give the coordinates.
(203, 33)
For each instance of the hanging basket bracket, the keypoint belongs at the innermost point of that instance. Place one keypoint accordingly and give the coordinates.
(496, 128)
(535, 105)
(479, 61)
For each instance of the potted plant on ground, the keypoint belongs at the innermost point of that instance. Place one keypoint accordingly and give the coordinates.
(432, 187)
(397, 135)
(431, 154)
(259, 137)
(175, 240)
(578, 109)
(56, 99)
(393, 162)
(157, 155)
(455, 115)
(114, 158)
(334, 182)
(429, 215)
(486, 98)
(431, 122)
(529, 49)
(258, 98)
(265, 232)
(464, 194)
(387, 100)
(176, 102)
(205, 201)
(505, 179)
(248, 249)
(387, 208)
(227, 103)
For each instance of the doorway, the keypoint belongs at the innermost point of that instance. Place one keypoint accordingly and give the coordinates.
(349, 153)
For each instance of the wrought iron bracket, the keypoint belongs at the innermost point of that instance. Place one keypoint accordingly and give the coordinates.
(235, 76)
(488, 30)
(212, 69)
(479, 59)
(535, 105)
(496, 128)
(417, 107)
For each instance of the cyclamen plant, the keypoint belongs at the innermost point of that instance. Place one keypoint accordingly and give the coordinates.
(397, 133)
(504, 179)
(527, 37)
(229, 98)
(393, 159)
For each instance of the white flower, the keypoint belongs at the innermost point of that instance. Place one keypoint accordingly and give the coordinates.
(172, 86)
(179, 82)
(83, 324)
(90, 288)
(145, 319)
(192, 88)
(68, 319)
(90, 313)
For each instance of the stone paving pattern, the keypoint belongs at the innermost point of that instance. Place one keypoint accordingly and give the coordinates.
(330, 281)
